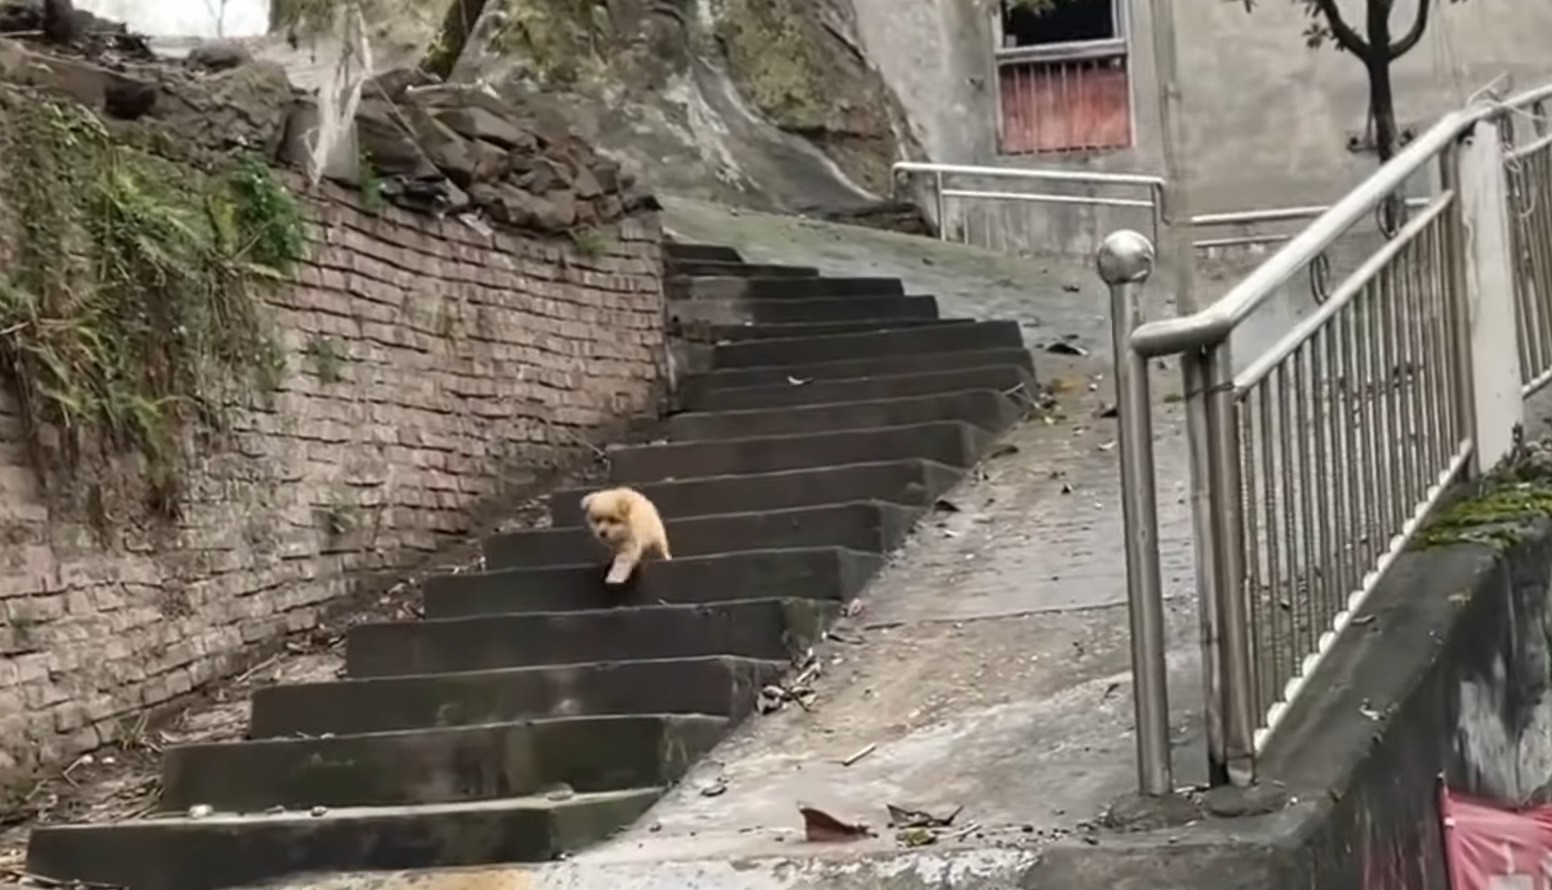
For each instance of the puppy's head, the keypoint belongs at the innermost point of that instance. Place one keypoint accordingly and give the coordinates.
(608, 514)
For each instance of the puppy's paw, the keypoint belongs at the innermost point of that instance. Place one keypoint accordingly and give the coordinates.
(619, 573)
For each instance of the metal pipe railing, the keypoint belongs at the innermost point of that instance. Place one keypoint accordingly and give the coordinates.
(1126, 261)
(1314, 466)
(1155, 200)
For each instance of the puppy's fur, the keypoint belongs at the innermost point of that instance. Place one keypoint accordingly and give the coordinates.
(628, 523)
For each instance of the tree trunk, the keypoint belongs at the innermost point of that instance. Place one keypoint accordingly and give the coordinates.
(452, 37)
(1382, 105)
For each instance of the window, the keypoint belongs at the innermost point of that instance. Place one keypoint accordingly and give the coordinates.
(1063, 77)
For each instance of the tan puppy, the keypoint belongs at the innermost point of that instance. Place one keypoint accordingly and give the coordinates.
(626, 521)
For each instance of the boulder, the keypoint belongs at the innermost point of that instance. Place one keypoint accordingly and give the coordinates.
(480, 123)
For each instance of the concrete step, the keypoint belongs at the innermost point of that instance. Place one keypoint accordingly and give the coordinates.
(231, 850)
(866, 526)
(782, 288)
(718, 686)
(693, 385)
(911, 482)
(988, 409)
(947, 442)
(999, 378)
(710, 312)
(815, 572)
(913, 341)
(714, 253)
(438, 765)
(718, 269)
(761, 629)
(727, 333)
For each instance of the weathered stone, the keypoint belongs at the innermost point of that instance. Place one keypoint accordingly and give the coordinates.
(607, 173)
(565, 210)
(219, 56)
(586, 184)
(640, 199)
(480, 123)
(391, 151)
(450, 153)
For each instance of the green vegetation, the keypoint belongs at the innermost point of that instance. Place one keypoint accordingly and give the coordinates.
(774, 60)
(130, 309)
(590, 242)
(1515, 493)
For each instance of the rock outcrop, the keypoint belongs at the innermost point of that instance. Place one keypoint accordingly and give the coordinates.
(450, 148)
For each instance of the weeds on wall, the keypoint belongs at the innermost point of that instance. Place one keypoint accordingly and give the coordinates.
(130, 310)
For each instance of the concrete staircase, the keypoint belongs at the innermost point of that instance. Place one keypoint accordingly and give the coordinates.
(534, 711)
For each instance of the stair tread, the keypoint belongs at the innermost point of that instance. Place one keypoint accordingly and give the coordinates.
(345, 814)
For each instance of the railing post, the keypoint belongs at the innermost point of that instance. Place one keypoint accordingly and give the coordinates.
(1193, 373)
(1235, 651)
(1482, 268)
(1227, 661)
(1126, 260)
(937, 179)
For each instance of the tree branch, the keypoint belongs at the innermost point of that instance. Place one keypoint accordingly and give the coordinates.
(1345, 36)
(1406, 44)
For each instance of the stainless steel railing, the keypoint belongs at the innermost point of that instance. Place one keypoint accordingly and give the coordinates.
(1132, 191)
(1529, 166)
(1313, 466)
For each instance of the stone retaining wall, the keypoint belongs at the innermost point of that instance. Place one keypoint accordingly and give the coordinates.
(429, 366)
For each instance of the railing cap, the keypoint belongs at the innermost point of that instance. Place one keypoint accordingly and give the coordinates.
(1125, 257)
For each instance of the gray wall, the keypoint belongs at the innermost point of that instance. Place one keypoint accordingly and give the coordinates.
(1267, 120)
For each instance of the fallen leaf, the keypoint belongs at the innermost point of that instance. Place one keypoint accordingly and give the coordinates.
(916, 837)
(714, 789)
(945, 505)
(1062, 347)
(1004, 450)
(821, 827)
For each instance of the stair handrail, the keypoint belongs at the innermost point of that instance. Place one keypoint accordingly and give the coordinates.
(1430, 296)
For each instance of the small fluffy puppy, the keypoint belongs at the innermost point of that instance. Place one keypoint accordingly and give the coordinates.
(628, 523)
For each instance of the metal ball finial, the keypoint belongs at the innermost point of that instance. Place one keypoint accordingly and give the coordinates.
(1126, 256)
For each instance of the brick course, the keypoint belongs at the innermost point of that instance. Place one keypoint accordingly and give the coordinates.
(464, 359)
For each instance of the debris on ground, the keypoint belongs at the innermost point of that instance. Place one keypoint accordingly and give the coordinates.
(1066, 347)
(799, 691)
(821, 827)
(905, 817)
(860, 753)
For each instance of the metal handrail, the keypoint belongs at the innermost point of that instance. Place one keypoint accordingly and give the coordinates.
(1156, 202)
(1395, 343)
(1176, 335)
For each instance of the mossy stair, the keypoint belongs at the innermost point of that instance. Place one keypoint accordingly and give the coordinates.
(533, 711)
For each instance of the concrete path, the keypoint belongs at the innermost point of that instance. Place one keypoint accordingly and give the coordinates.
(988, 668)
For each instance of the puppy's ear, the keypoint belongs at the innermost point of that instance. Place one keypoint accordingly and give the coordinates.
(587, 499)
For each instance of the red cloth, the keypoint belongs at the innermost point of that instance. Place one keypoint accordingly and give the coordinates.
(1490, 848)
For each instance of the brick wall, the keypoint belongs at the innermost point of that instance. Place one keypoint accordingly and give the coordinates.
(426, 363)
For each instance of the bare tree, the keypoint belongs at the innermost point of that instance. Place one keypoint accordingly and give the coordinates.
(217, 10)
(1377, 47)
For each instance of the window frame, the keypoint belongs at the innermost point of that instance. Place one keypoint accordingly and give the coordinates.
(1119, 46)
